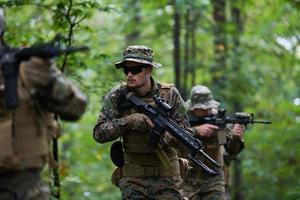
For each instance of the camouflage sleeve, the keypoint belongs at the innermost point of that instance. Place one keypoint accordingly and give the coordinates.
(109, 125)
(63, 97)
(234, 145)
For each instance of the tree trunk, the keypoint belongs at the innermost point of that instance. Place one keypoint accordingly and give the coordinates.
(220, 47)
(195, 17)
(186, 54)
(237, 179)
(176, 42)
(236, 65)
(134, 10)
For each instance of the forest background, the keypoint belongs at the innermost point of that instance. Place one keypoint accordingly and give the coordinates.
(247, 52)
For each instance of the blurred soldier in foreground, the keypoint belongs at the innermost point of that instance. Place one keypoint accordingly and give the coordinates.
(145, 172)
(27, 129)
(200, 185)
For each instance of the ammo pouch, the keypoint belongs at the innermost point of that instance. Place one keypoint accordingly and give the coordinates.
(185, 168)
(149, 164)
(222, 136)
(117, 154)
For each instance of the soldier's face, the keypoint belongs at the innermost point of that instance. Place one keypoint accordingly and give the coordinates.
(137, 75)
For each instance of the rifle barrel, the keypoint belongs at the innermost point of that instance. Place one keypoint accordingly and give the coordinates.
(262, 122)
(74, 49)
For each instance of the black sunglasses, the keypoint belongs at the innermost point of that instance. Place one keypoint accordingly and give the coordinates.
(134, 70)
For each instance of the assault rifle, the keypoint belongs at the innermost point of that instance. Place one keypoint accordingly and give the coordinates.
(161, 118)
(10, 58)
(221, 120)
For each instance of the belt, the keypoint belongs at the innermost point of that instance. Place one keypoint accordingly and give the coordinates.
(135, 170)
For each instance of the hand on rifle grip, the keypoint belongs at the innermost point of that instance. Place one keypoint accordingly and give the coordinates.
(139, 122)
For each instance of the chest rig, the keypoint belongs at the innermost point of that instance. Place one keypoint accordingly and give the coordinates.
(25, 133)
(140, 158)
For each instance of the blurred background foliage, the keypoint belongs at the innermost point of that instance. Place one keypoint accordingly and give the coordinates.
(247, 52)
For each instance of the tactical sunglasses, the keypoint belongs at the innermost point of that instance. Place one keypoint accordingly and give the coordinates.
(133, 70)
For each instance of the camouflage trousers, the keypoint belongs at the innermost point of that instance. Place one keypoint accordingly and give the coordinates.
(23, 185)
(151, 188)
(205, 187)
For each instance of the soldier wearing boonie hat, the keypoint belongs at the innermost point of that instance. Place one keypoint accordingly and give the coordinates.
(139, 54)
(200, 185)
(142, 172)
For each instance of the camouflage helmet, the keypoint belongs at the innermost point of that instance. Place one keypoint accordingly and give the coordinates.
(202, 98)
(138, 53)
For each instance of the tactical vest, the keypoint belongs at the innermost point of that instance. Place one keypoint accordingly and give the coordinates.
(142, 159)
(213, 146)
(25, 132)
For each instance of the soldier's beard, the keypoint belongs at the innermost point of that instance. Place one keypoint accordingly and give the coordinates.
(140, 87)
(134, 84)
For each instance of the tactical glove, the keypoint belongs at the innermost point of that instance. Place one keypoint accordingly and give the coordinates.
(35, 73)
(139, 122)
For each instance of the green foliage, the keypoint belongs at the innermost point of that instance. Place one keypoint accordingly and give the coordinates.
(266, 81)
(85, 166)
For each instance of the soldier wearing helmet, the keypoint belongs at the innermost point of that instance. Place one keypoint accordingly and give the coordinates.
(27, 129)
(145, 173)
(199, 185)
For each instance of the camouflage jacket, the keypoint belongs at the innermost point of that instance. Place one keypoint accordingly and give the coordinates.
(111, 123)
(26, 130)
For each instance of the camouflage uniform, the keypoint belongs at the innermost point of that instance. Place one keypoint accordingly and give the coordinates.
(27, 130)
(144, 175)
(200, 185)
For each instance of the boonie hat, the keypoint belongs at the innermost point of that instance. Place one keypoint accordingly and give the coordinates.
(138, 53)
(202, 98)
